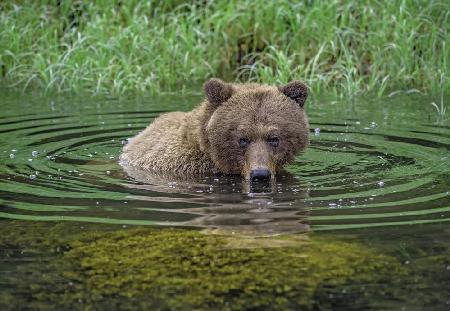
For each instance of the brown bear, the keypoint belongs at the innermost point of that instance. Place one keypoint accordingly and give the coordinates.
(248, 129)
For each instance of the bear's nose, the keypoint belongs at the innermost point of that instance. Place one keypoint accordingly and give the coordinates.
(260, 174)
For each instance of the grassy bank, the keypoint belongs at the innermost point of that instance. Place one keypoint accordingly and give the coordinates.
(347, 48)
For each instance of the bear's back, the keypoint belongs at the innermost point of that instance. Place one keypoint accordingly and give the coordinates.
(165, 146)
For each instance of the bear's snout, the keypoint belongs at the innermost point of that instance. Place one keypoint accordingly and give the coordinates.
(258, 163)
(260, 174)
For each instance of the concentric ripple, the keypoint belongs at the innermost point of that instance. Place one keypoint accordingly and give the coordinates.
(369, 164)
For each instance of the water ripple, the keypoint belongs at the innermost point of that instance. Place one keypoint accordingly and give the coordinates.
(62, 165)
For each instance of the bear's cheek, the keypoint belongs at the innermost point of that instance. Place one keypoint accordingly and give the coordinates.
(288, 149)
(225, 152)
(229, 158)
(281, 155)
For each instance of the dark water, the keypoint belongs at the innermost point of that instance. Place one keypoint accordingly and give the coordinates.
(373, 187)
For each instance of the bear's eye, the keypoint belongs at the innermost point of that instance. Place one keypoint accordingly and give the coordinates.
(273, 141)
(243, 142)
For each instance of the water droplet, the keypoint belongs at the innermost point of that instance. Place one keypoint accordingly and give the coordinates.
(11, 156)
(380, 183)
(32, 176)
(34, 153)
(373, 125)
(30, 160)
(108, 172)
(317, 131)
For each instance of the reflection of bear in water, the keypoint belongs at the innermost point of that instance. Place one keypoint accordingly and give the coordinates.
(247, 129)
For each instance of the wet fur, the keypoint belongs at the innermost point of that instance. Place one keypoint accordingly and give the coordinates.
(206, 139)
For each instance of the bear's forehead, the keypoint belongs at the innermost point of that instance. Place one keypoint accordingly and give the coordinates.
(260, 100)
(253, 89)
(264, 110)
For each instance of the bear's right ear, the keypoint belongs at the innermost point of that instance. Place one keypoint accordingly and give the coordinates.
(295, 90)
(217, 91)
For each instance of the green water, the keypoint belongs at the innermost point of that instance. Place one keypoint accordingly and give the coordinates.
(360, 221)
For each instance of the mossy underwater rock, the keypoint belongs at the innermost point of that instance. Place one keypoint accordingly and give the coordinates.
(175, 269)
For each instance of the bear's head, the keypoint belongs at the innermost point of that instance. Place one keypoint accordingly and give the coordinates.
(254, 129)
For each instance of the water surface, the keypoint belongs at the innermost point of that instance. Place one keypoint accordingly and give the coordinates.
(376, 176)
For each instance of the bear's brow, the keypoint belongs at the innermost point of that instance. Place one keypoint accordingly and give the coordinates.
(259, 113)
(259, 95)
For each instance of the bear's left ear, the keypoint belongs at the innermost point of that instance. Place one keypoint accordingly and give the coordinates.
(217, 91)
(295, 90)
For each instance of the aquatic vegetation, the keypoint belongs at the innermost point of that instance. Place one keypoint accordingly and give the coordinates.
(182, 269)
(132, 46)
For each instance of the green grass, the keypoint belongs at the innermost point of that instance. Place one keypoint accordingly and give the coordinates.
(119, 47)
(441, 109)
